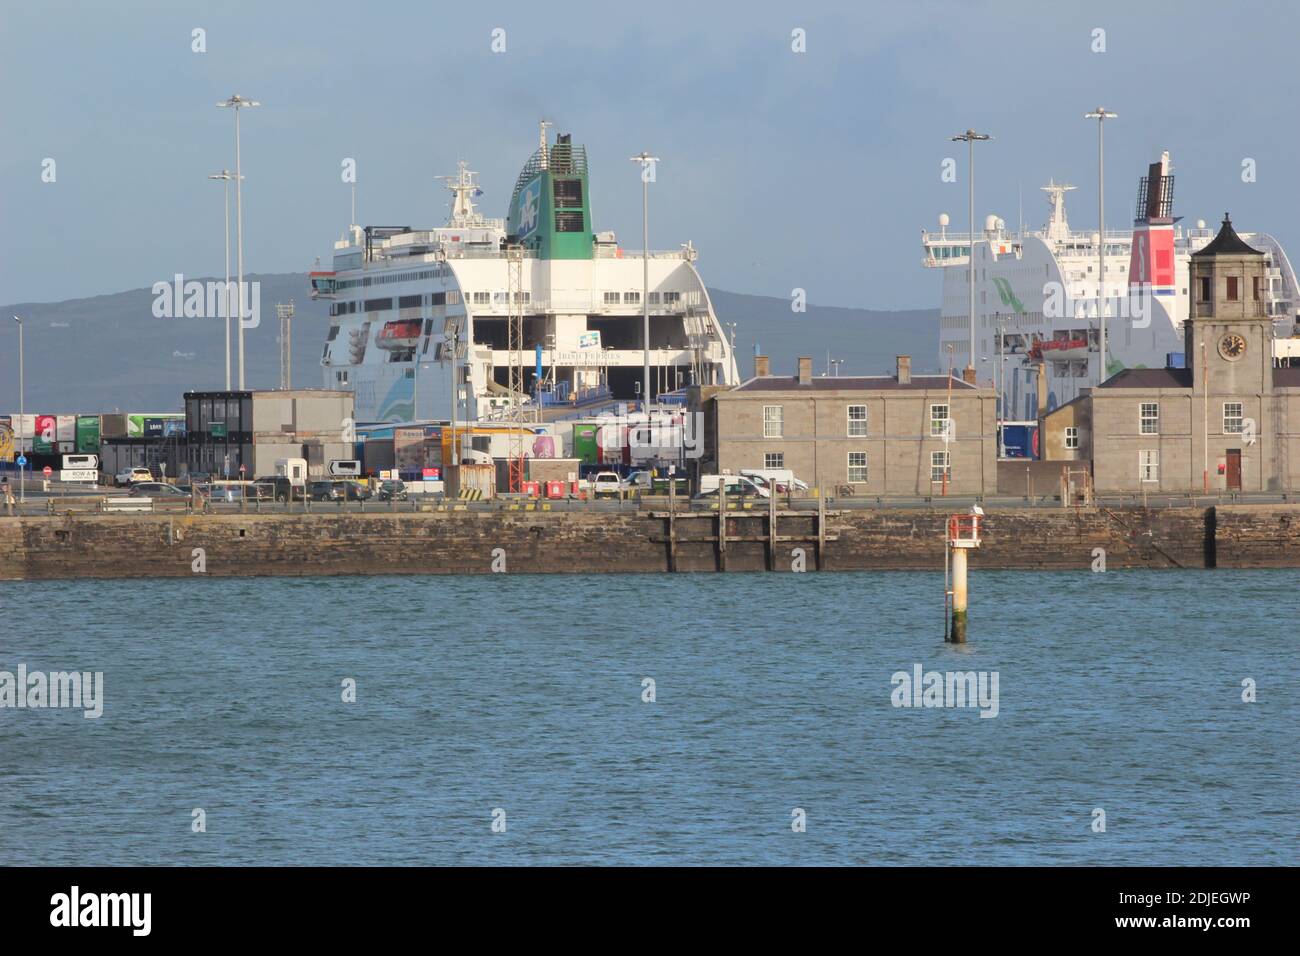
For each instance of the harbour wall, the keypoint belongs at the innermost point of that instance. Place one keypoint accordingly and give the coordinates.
(469, 542)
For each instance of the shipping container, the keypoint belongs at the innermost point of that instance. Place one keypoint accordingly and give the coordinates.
(584, 443)
(1018, 440)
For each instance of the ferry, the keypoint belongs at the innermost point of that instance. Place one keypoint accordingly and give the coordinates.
(1037, 292)
(421, 318)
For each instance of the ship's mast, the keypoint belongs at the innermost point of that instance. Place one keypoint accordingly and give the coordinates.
(1058, 227)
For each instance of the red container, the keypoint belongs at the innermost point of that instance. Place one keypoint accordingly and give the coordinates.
(555, 489)
(533, 488)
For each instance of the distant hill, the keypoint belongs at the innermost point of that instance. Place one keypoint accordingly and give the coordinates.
(109, 353)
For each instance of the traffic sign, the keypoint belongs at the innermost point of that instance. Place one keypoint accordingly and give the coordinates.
(47, 471)
(79, 474)
(345, 467)
(77, 462)
(242, 469)
(22, 461)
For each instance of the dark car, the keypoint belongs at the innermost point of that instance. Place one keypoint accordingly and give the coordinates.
(282, 489)
(354, 490)
(156, 489)
(325, 491)
(392, 491)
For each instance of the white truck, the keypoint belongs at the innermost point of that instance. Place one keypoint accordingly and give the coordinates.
(780, 480)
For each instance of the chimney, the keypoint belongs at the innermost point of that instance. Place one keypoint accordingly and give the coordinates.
(762, 366)
(968, 375)
(805, 370)
(904, 370)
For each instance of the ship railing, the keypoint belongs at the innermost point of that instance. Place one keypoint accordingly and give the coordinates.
(620, 252)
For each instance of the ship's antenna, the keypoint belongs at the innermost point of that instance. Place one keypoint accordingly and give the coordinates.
(541, 136)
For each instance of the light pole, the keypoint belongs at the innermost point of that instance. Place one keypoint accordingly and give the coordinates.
(226, 176)
(969, 137)
(22, 416)
(238, 102)
(647, 167)
(1100, 115)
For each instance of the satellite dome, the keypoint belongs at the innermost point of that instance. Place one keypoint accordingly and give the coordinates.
(943, 219)
(990, 222)
(1200, 224)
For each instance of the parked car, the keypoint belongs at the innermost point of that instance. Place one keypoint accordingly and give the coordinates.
(282, 489)
(392, 491)
(156, 489)
(354, 490)
(131, 476)
(606, 483)
(780, 480)
(325, 491)
(237, 491)
(738, 486)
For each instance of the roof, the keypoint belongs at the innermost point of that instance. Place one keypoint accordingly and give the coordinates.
(1150, 378)
(846, 383)
(1226, 243)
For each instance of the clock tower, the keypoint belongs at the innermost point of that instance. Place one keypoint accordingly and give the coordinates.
(1228, 335)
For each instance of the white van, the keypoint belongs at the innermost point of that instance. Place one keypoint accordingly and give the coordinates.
(739, 485)
(780, 480)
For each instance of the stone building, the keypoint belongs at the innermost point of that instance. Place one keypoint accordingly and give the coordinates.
(863, 435)
(1221, 423)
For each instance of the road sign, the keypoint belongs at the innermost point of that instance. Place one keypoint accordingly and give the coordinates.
(78, 462)
(79, 474)
(345, 467)
(242, 469)
(47, 471)
(22, 461)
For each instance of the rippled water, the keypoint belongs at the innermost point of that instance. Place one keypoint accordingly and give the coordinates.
(1120, 691)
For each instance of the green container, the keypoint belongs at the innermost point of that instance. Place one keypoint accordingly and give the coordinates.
(584, 444)
(88, 434)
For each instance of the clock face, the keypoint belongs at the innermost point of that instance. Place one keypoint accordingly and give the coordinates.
(1232, 346)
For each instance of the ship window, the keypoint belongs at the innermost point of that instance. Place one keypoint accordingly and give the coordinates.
(409, 302)
(1232, 288)
(482, 298)
(428, 326)
(333, 333)
(672, 297)
(611, 298)
(440, 298)
(654, 298)
(378, 305)
(568, 222)
(631, 297)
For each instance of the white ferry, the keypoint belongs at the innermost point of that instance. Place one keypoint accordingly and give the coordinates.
(1036, 296)
(420, 319)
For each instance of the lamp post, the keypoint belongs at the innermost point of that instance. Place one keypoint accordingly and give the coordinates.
(647, 165)
(22, 415)
(237, 103)
(1101, 115)
(969, 138)
(226, 176)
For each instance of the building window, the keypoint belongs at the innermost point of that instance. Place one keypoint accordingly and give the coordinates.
(1149, 465)
(857, 421)
(1203, 289)
(939, 421)
(631, 297)
(773, 421)
(857, 467)
(1071, 437)
(1255, 284)
(940, 467)
(774, 459)
(1149, 419)
(1233, 420)
(611, 298)
(1232, 288)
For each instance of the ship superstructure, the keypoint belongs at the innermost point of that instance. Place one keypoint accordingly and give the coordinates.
(480, 316)
(1036, 300)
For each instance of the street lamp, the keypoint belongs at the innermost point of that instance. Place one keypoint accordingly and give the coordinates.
(1101, 115)
(22, 415)
(969, 138)
(647, 164)
(226, 176)
(238, 102)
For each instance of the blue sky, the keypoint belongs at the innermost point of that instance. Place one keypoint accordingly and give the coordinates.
(815, 170)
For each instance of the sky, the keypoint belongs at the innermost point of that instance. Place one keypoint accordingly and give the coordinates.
(813, 170)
